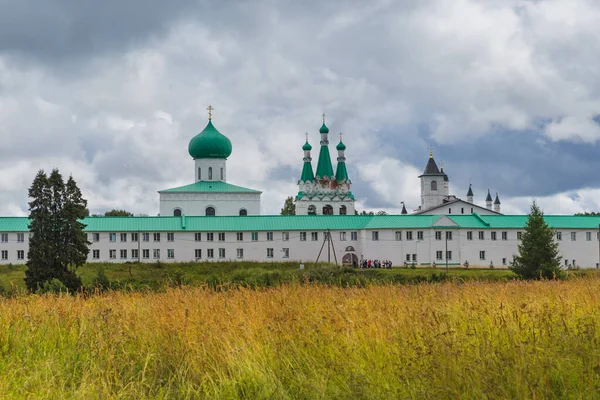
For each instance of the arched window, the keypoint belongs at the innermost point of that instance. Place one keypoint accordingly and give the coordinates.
(177, 212)
(350, 248)
(221, 173)
(343, 210)
(327, 210)
(199, 174)
(243, 212)
(312, 210)
(210, 211)
(210, 173)
(433, 185)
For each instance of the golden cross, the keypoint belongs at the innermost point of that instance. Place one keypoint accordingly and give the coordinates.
(340, 136)
(430, 151)
(210, 110)
(306, 136)
(323, 117)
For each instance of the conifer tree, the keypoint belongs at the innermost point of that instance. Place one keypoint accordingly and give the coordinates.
(58, 244)
(538, 251)
(289, 208)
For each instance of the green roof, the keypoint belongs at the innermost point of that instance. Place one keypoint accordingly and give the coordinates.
(307, 222)
(341, 174)
(210, 143)
(307, 172)
(209, 187)
(324, 167)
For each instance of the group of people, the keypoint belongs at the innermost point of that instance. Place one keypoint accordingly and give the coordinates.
(387, 264)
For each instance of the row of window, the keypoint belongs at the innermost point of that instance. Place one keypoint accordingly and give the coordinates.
(439, 256)
(20, 237)
(123, 253)
(588, 236)
(20, 255)
(210, 236)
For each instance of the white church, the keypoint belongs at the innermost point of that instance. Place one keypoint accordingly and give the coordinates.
(212, 220)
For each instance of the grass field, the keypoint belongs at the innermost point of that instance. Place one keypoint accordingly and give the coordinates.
(445, 340)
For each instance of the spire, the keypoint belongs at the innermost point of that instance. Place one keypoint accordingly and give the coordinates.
(489, 197)
(341, 174)
(442, 171)
(497, 200)
(403, 209)
(497, 203)
(470, 192)
(431, 169)
(307, 171)
(324, 167)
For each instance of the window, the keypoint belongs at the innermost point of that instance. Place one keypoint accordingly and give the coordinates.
(210, 253)
(145, 237)
(482, 255)
(419, 235)
(449, 255)
(285, 236)
(504, 235)
(399, 235)
(171, 253)
(134, 237)
(135, 253)
(240, 253)
(20, 254)
(255, 236)
(433, 185)
(493, 235)
(269, 253)
(243, 212)
(112, 237)
(221, 236)
(20, 237)
(354, 236)
(343, 210)
(123, 237)
(314, 236)
(123, 253)
(573, 236)
(197, 254)
(312, 210)
(408, 257)
(210, 212)
(269, 236)
(471, 210)
(303, 236)
(414, 258)
(146, 253)
(588, 236)
(469, 235)
(409, 235)
(450, 211)
(95, 237)
(558, 235)
(504, 261)
(439, 254)
(286, 252)
(156, 253)
(156, 237)
(112, 254)
(221, 253)
(481, 235)
(210, 236)
(448, 235)
(342, 236)
(177, 212)
(438, 235)
(462, 210)
(240, 236)
(96, 254)
(5, 254)
(221, 173)
(574, 263)
(327, 210)
(199, 174)
(170, 237)
(210, 173)
(5, 238)
(519, 235)
(197, 236)
(375, 235)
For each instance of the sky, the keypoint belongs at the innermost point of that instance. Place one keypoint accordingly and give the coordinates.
(505, 92)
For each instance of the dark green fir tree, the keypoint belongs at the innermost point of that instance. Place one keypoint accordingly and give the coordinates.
(289, 208)
(538, 251)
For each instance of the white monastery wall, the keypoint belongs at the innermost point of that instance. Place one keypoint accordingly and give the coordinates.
(196, 203)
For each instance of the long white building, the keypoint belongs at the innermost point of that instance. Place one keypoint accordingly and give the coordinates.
(423, 239)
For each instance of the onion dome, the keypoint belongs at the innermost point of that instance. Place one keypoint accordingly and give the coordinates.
(340, 146)
(307, 146)
(210, 143)
(324, 128)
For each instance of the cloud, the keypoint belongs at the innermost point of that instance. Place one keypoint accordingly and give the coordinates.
(506, 92)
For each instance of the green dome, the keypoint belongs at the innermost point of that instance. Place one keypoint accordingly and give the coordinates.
(340, 146)
(324, 129)
(307, 146)
(210, 143)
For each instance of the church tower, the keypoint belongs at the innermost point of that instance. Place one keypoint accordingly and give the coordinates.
(434, 185)
(324, 193)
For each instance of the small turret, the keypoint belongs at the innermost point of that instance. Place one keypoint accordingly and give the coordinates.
(488, 201)
(307, 171)
(341, 174)
(403, 209)
(470, 194)
(497, 203)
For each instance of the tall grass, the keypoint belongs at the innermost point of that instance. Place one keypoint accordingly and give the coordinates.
(474, 340)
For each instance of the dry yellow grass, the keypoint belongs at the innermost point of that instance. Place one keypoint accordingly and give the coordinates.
(475, 340)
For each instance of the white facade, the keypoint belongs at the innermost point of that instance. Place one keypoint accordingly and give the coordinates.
(458, 207)
(433, 191)
(211, 169)
(197, 203)
(479, 247)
